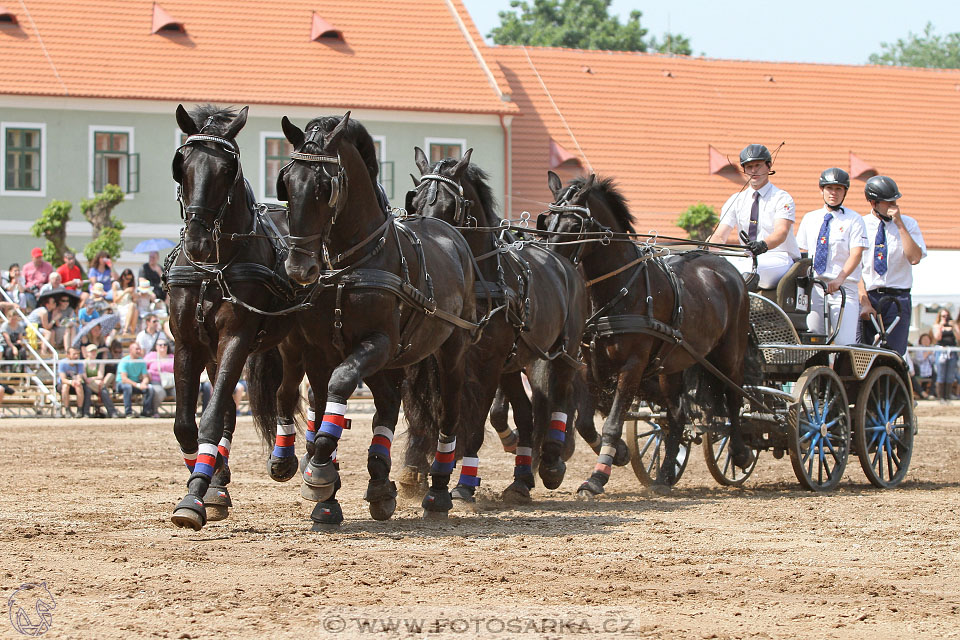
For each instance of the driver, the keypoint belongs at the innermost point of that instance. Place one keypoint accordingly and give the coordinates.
(835, 237)
(894, 245)
(761, 217)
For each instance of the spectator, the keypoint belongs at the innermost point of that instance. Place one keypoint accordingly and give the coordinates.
(123, 290)
(98, 295)
(945, 333)
(88, 312)
(37, 272)
(94, 336)
(65, 329)
(923, 364)
(96, 381)
(73, 381)
(160, 366)
(12, 332)
(133, 379)
(54, 282)
(101, 270)
(150, 334)
(153, 272)
(42, 322)
(239, 393)
(16, 288)
(144, 298)
(70, 272)
(114, 352)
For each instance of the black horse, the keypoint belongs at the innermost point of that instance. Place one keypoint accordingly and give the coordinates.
(226, 269)
(397, 292)
(538, 303)
(653, 319)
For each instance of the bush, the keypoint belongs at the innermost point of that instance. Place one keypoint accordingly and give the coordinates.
(699, 221)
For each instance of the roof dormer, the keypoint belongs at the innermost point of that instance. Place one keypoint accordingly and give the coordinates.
(7, 17)
(165, 23)
(560, 156)
(323, 30)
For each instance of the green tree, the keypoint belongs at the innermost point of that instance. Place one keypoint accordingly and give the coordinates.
(105, 227)
(52, 225)
(579, 24)
(927, 50)
(699, 221)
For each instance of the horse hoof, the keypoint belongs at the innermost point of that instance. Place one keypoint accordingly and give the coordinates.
(437, 501)
(190, 513)
(319, 481)
(382, 496)
(434, 515)
(412, 484)
(327, 515)
(282, 469)
(589, 490)
(383, 509)
(463, 493)
(622, 456)
(744, 458)
(314, 493)
(304, 461)
(217, 512)
(517, 493)
(552, 475)
(217, 496)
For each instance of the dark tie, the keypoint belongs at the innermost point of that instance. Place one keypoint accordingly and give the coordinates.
(823, 244)
(880, 252)
(754, 217)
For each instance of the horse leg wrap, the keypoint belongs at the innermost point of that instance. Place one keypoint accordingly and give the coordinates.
(605, 461)
(189, 459)
(224, 449)
(381, 443)
(206, 460)
(319, 480)
(468, 473)
(523, 463)
(446, 457)
(282, 463)
(558, 427)
(334, 422)
(508, 439)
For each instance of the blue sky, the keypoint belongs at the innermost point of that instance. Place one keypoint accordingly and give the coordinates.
(838, 32)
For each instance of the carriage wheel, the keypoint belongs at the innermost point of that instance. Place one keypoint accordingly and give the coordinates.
(719, 459)
(820, 429)
(883, 428)
(646, 444)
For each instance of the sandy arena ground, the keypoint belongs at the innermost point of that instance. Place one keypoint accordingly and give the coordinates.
(85, 509)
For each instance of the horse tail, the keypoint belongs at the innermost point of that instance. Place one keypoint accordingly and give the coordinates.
(421, 405)
(705, 396)
(265, 371)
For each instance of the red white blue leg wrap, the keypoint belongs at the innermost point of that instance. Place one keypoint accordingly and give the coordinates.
(224, 450)
(523, 465)
(189, 459)
(285, 446)
(334, 422)
(558, 426)
(311, 425)
(468, 472)
(446, 458)
(206, 459)
(382, 440)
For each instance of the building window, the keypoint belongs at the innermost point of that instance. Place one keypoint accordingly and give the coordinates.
(440, 149)
(386, 167)
(22, 161)
(22, 167)
(114, 161)
(276, 154)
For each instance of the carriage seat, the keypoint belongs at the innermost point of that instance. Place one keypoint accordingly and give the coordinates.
(792, 293)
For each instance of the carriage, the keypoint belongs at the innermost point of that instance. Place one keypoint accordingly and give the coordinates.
(819, 402)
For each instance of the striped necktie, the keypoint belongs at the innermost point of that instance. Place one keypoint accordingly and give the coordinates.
(823, 244)
(880, 251)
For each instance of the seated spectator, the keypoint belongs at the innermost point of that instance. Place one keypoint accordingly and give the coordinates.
(16, 288)
(123, 290)
(160, 366)
(153, 272)
(65, 329)
(36, 272)
(73, 381)
(88, 311)
(924, 362)
(101, 270)
(98, 294)
(54, 282)
(144, 298)
(94, 336)
(114, 352)
(133, 379)
(150, 334)
(97, 382)
(41, 322)
(70, 272)
(12, 333)
(239, 393)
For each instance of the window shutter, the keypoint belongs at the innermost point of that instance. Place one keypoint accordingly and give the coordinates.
(133, 173)
(386, 177)
(98, 165)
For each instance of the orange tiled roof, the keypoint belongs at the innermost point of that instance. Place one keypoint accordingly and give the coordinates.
(395, 54)
(649, 121)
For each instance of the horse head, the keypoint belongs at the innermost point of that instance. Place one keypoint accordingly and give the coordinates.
(439, 192)
(207, 168)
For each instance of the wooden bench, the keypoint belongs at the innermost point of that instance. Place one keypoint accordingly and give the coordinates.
(27, 397)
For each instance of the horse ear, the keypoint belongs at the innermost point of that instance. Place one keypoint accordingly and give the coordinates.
(462, 164)
(236, 124)
(421, 159)
(293, 133)
(589, 182)
(416, 180)
(555, 184)
(187, 125)
(332, 140)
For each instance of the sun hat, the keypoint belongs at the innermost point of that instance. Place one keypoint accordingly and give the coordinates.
(97, 290)
(90, 347)
(144, 286)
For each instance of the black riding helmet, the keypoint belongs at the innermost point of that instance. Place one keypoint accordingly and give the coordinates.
(836, 176)
(881, 188)
(754, 152)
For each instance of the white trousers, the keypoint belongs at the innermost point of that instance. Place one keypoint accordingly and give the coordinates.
(770, 267)
(851, 314)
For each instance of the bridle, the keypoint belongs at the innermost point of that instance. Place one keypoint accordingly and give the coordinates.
(338, 192)
(196, 213)
(586, 223)
(431, 182)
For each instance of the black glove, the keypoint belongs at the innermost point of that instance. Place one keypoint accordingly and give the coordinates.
(756, 247)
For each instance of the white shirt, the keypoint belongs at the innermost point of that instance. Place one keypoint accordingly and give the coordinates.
(899, 273)
(847, 232)
(775, 204)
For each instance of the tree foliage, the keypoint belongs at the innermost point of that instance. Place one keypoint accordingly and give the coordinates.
(699, 221)
(579, 24)
(927, 50)
(105, 227)
(52, 225)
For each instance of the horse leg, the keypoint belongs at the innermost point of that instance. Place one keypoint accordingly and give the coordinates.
(480, 395)
(282, 463)
(612, 432)
(191, 511)
(381, 492)
(560, 377)
(498, 418)
(523, 481)
(217, 498)
(320, 476)
(421, 434)
(671, 387)
(188, 364)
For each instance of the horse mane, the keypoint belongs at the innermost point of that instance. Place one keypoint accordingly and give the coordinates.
(357, 134)
(219, 117)
(606, 190)
(480, 180)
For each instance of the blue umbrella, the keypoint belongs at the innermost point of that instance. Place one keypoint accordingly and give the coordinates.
(154, 244)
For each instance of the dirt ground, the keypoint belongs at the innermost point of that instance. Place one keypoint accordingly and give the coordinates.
(86, 505)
